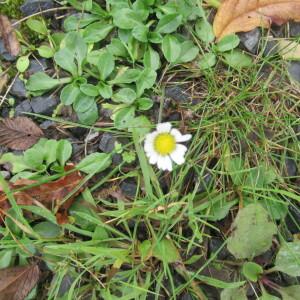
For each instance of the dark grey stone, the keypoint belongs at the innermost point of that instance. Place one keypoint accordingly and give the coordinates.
(107, 143)
(177, 93)
(117, 159)
(294, 70)
(270, 48)
(24, 106)
(78, 132)
(40, 65)
(44, 104)
(176, 116)
(4, 53)
(214, 245)
(128, 188)
(33, 6)
(250, 40)
(5, 174)
(186, 296)
(65, 285)
(292, 219)
(47, 124)
(18, 89)
(290, 167)
(294, 29)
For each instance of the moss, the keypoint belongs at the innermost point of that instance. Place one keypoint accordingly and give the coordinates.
(11, 8)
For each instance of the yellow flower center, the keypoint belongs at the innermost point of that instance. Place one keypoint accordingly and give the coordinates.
(164, 143)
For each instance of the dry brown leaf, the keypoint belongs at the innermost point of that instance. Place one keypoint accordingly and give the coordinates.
(3, 81)
(9, 36)
(244, 15)
(19, 133)
(17, 282)
(49, 194)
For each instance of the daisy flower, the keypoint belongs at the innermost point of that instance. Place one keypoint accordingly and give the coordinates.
(161, 146)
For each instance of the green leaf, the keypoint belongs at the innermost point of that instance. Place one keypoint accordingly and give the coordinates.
(22, 63)
(17, 162)
(106, 64)
(252, 232)
(126, 76)
(47, 230)
(151, 59)
(227, 43)
(33, 158)
(144, 103)
(145, 249)
(37, 26)
(220, 209)
(290, 293)
(266, 296)
(95, 163)
(169, 23)
(204, 31)
(79, 21)
(50, 151)
(207, 61)
(145, 81)
(89, 116)
(171, 48)
(66, 60)
(233, 294)
(252, 271)
(89, 89)
(166, 251)
(69, 93)
(288, 259)
(140, 124)
(45, 51)
(117, 48)
(237, 59)
(105, 90)
(63, 151)
(219, 283)
(124, 95)
(6, 258)
(126, 18)
(188, 52)
(140, 32)
(96, 32)
(123, 116)
(83, 103)
(235, 168)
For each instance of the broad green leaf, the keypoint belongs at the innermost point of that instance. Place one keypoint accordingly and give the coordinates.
(169, 23)
(89, 116)
(220, 209)
(234, 294)
(235, 167)
(106, 64)
(252, 232)
(171, 48)
(144, 103)
(63, 151)
(37, 26)
(105, 90)
(22, 63)
(95, 163)
(227, 43)
(83, 103)
(252, 271)
(145, 81)
(151, 59)
(117, 48)
(207, 61)
(126, 76)
(50, 151)
(66, 60)
(47, 230)
(288, 259)
(79, 21)
(96, 32)
(89, 89)
(45, 51)
(266, 296)
(204, 31)
(69, 93)
(124, 95)
(33, 158)
(140, 32)
(188, 52)
(123, 116)
(237, 59)
(126, 18)
(140, 124)
(219, 283)
(6, 258)
(145, 249)
(166, 251)
(17, 161)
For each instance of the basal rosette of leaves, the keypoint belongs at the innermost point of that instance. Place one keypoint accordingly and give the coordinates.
(112, 56)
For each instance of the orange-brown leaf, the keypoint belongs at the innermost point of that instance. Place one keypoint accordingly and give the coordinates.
(9, 36)
(244, 15)
(19, 133)
(49, 194)
(17, 282)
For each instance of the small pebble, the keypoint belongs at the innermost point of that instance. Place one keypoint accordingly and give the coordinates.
(44, 104)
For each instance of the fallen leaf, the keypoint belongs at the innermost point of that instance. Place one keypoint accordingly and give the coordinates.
(17, 282)
(244, 15)
(289, 50)
(3, 81)
(9, 36)
(49, 194)
(19, 133)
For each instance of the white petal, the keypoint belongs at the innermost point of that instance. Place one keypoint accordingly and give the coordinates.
(161, 162)
(180, 137)
(153, 158)
(178, 154)
(168, 163)
(164, 127)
